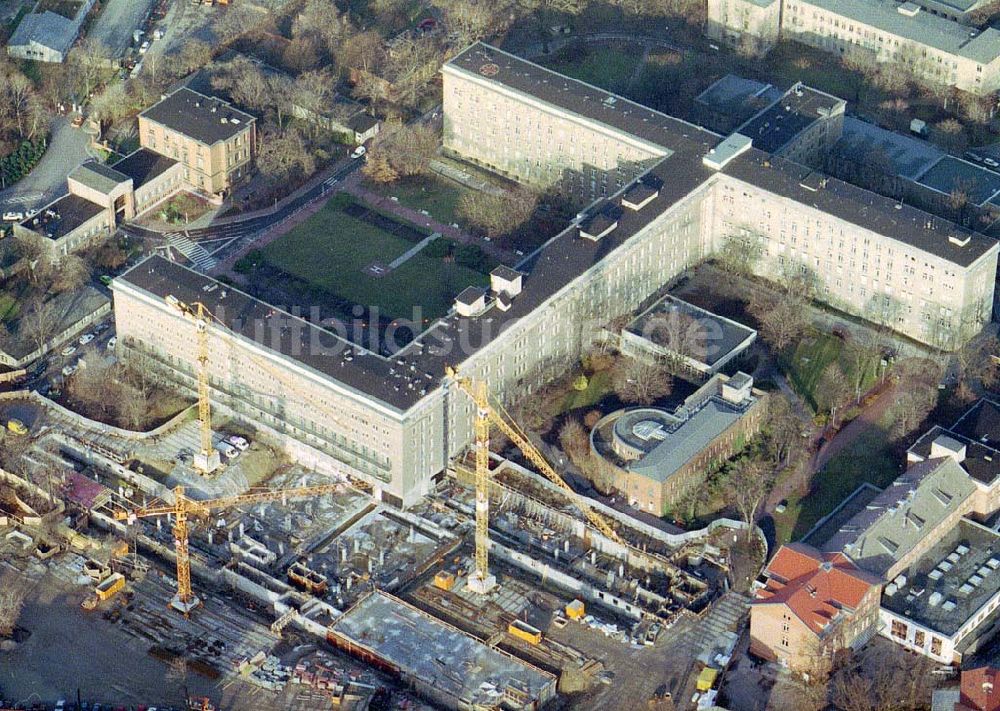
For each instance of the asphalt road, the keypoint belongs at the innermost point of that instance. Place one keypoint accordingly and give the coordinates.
(230, 237)
(67, 149)
(116, 22)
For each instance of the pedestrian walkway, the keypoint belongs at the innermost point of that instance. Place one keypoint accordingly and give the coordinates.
(199, 256)
(413, 251)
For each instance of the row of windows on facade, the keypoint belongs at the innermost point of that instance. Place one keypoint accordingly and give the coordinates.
(362, 431)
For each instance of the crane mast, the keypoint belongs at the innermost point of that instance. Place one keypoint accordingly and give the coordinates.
(487, 414)
(184, 507)
(207, 459)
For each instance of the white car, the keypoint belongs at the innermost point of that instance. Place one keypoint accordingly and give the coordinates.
(69, 370)
(358, 152)
(227, 449)
(12, 216)
(68, 351)
(112, 342)
(144, 47)
(239, 442)
(86, 338)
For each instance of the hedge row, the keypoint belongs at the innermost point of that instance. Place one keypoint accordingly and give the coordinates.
(18, 164)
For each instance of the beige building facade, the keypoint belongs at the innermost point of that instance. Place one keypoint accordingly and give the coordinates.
(931, 45)
(213, 141)
(396, 420)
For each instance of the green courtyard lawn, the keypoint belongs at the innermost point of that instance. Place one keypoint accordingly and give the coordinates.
(331, 251)
(606, 66)
(439, 196)
(871, 458)
(805, 362)
(599, 385)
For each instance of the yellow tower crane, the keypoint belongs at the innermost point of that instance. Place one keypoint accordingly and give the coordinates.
(185, 507)
(487, 413)
(207, 459)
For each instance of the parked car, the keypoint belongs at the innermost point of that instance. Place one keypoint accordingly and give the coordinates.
(112, 342)
(144, 48)
(105, 279)
(228, 450)
(358, 152)
(67, 351)
(13, 216)
(241, 443)
(17, 427)
(69, 370)
(86, 338)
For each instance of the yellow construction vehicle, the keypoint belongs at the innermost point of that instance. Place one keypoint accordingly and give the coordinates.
(185, 507)
(488, 412)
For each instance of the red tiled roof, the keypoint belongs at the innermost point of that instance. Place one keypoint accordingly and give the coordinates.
(981, 689)
(815, 586)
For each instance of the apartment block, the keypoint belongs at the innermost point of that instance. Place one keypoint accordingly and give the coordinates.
(812, 606)
(927, 38)
(658, 194)
(213, 141)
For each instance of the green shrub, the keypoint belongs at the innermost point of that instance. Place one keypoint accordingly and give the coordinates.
(472, 257)
(437, 249)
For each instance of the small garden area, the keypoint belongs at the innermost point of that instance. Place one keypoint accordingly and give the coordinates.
(871, 458)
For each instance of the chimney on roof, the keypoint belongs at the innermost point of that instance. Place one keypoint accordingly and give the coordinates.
(945, 446)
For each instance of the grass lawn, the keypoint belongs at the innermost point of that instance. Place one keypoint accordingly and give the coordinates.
(8, 307)
(331, 250)
(598, 386)
(804, 365)
(438, 196)
(869, 459)
(609, 67)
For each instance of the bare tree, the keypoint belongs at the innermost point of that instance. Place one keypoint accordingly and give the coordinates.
(783, 428)
(91, 61)
(642, 383)
(573, 439)
(834, 389)
(245, 82)
(750, 485)
(497, 214)
(313, 92)
(72, 274)
(286, 154)
(741, 253)
(783, 318)
(39, 322)
(13, 592)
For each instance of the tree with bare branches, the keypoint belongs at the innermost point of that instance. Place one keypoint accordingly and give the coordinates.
(13, 592)
(641, 383)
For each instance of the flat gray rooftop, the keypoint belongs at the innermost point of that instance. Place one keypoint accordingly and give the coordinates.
(688, 438)
(438, 655)
(909, 156)
(67, 213)
(951, 174)
(694, 332)
(954, 584)
(798, 109)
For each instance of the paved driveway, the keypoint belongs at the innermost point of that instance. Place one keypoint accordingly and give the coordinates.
(67, 149)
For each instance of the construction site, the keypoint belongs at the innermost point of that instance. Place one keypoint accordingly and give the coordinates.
(501, 589)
